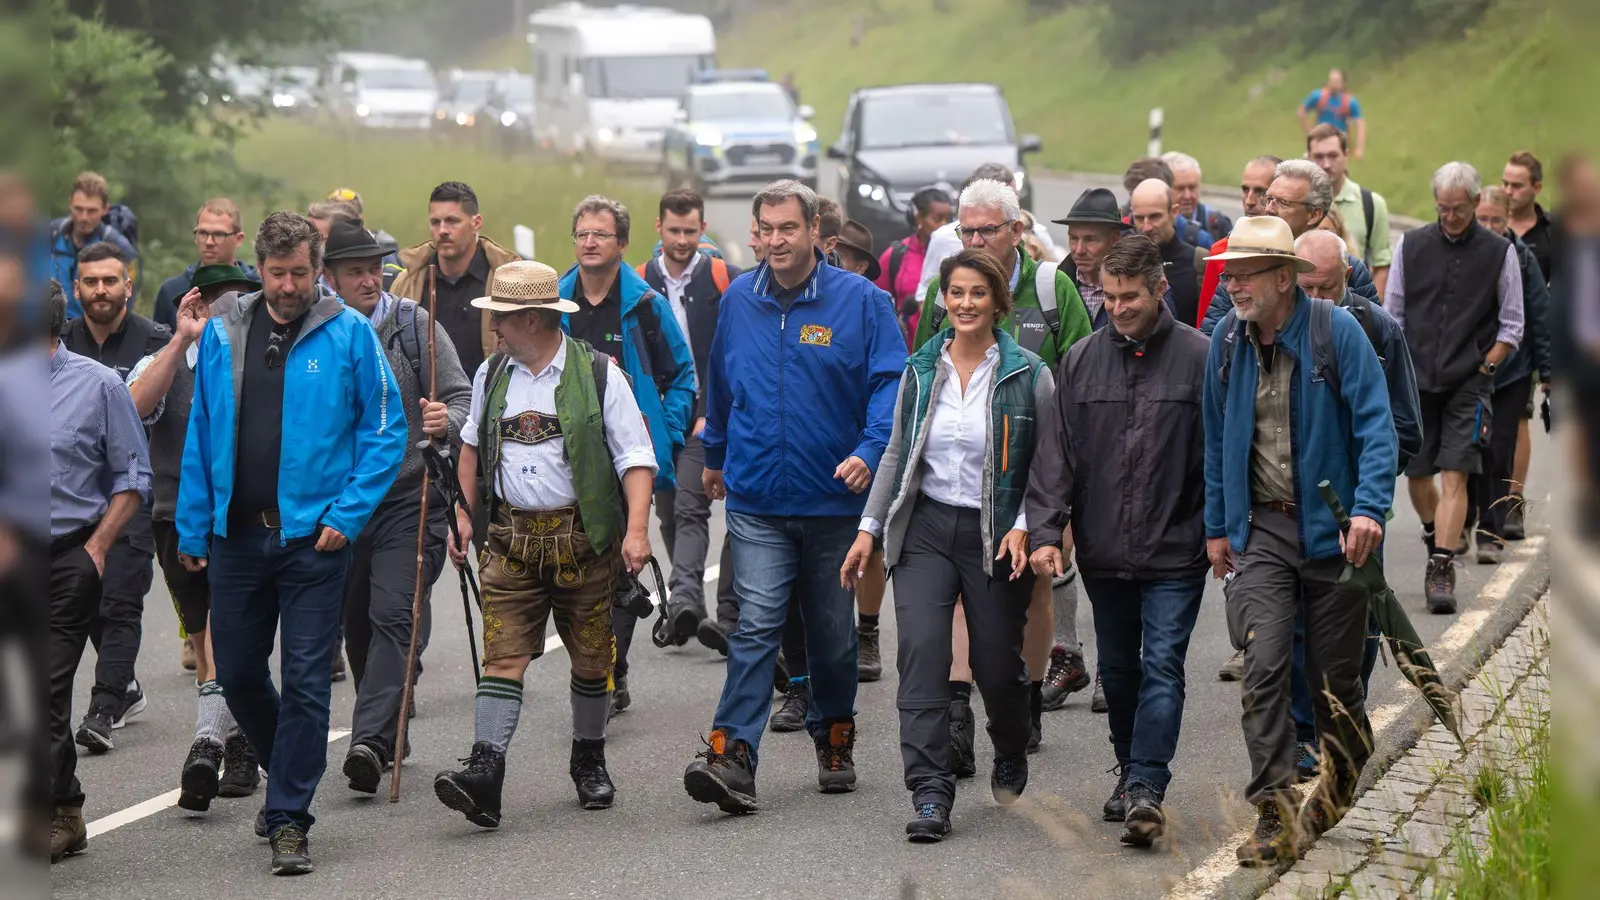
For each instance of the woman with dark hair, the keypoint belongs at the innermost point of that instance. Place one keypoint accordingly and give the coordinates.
(957, 465)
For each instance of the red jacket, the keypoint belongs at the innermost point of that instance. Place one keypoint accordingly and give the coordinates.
(1208, 282)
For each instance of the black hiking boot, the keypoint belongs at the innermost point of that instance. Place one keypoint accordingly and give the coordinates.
(1009, 778)
(363, 765)
(198, 784)
(291, 851)
(588, 769)
(475, 790)
(1116, 806)
(791, 716)
(1145, 821)
(869, 666)
(931, 824)
(963, 725)
(241, 773)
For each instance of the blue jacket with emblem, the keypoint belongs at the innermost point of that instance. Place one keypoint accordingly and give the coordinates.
(1348, 440)
(792, 392)
(660, 365)
(343, 423)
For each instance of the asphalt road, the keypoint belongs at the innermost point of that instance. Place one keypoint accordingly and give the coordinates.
(656, 842)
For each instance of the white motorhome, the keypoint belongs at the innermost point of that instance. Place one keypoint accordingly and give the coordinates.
(377, 90)
(607, 80)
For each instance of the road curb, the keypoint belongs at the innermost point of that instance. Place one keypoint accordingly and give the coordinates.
(1511, 604)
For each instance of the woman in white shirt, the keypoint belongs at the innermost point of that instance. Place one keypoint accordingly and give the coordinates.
(947, 506)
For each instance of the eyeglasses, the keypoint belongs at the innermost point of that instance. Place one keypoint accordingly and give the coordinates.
(1227, 278)
(987, 232)
(1493, 223)
(213, 237)
(599, 237)
(496, 315)
(275, 342)
(1278, 202)
(1453, 211)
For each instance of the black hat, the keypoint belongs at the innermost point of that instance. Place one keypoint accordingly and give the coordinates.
(1096, 206)
(350, 240)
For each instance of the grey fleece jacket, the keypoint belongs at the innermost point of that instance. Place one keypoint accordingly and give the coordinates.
(454, 385)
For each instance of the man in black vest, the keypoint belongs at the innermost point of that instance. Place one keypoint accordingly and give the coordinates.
(1456, 289)
(1155, 215)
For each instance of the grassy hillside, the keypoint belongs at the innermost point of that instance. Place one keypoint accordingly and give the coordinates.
(1505, 84)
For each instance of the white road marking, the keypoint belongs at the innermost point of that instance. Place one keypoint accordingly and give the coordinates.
(1203, 879)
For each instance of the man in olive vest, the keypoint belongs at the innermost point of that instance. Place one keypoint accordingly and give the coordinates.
(556, 426)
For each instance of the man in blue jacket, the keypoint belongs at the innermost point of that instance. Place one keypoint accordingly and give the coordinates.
(797, 417)
(86, 224)
(620, 316)
(291, 391)
(1275, 429)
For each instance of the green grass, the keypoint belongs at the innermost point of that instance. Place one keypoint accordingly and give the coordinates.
(395, 172)
(1517, 862)
(1509, 82)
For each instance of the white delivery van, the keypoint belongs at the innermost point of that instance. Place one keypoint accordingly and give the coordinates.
(607, 80)
(377, 90)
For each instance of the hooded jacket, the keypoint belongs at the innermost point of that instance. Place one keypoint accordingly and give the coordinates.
(659, 364)
(344, 429)
(64, 259)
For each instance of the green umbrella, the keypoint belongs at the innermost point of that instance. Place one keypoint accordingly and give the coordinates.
(1395, 625)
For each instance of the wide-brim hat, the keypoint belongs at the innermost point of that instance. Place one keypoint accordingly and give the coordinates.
(858, 238)
(1263, 237)
(207, 277)
(350, 240)
(1096, 206)
(524, 284)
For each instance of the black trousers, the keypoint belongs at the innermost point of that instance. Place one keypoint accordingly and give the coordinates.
(1487, 493)
(118, 627)
(74, 605)
(940, 561)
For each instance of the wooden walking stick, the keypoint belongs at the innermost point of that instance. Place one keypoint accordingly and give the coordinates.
(422, 533)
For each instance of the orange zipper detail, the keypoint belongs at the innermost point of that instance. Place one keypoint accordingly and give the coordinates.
(1005, 447)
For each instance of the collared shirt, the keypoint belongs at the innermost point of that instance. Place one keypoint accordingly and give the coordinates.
(1272, 450)
(534, 473)
(1509, 289)
(97, 447)
(1348, 202)
(599, 324)
(135, 338)
(462, 321)
(1094, 297)
(676, 287)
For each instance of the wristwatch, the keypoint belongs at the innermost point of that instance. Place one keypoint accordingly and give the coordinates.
(1489, 368)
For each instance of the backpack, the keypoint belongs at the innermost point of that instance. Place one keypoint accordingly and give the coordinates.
(412, 348)
(897, 256)
(1044, 284)
(1367, 213)
(1324, 362)
(1342, 111)
(120, 217)
(719, 272)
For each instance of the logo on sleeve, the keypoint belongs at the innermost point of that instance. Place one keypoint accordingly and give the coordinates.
(817, 335)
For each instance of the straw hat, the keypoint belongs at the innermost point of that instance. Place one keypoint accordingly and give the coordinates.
(1263, 237)
(524, 284)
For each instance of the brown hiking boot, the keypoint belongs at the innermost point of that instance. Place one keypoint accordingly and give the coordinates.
(1270, 842)
(68, 836)
(836, 767)
(721, 774)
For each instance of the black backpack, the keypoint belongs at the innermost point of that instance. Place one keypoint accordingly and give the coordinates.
(410, 341)
(1324, 362)
(121, 217)
(1367, 211)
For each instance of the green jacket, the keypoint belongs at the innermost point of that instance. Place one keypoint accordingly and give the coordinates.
(1021, 388)
(1026, 323)
(579, 411)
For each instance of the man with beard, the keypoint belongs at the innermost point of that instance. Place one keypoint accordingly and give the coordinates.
(218, 234)
(292, 388)
(111, 335)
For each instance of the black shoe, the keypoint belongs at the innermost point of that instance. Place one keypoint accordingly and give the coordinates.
(94, 734)
(684, 623)
(836, 764)
(261, 822)
(780, 675)
(869, 666)
(291, 851)
(1489, 550)
(931, 824)
(1065, 677)
(338, 666)
(1270, 842)
(475, 790)
(1097, 700)
(363, 765)
(963, 725)
(791, 716)
(1515, 528)
(1305, 763)
(1144, 818)
(621, 699)
(721, 774)
(1036, 719)
(1009, 779)
(1116, 808)
(242, 774)
(713, 634)
(588, 770)
(198, 784)
(133, 703)
(1439, 584)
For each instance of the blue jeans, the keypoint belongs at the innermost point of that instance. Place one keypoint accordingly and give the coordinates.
(255, 582)
(1305, 724)
(1142, 630)
(771, 558)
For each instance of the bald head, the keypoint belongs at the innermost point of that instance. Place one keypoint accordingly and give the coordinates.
(1153, 214)
(1327, 251)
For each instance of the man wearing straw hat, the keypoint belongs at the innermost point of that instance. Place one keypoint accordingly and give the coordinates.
(556, 426)
(1294, 395)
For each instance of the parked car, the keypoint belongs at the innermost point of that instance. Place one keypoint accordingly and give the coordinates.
(508, 118)
(898, 139)
(465, 94)
(377, 90)
(729, 131)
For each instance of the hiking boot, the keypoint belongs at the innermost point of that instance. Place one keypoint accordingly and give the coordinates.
(1035, 718)
(836, 765)
(94, 734)
(198, 783)
(621, 699)
(791, 716)
(1515, 528)
(133, 703)
(683, 623)
(1439, 584)
(1306, 765)
(1233, 668)
(1116, 806)
(870, 664)
(291, 851)
(1489, 550)
(713, 634)
(1009, 778)
(588, 770)
(261, 822)
(780, 675)
(475, 790)
(187, 657)
(963, 728)
(1097, 700)
(1145, 821)
(363, 765)
(1065, 677)
(1270, 842)
(338, 666)
(721, 774)
(931, 824)
(242, 773)
(68, 835)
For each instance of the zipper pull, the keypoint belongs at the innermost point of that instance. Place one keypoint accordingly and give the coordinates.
(783, 320)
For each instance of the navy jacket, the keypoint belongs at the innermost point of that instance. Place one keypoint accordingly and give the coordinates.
(1533, 354)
